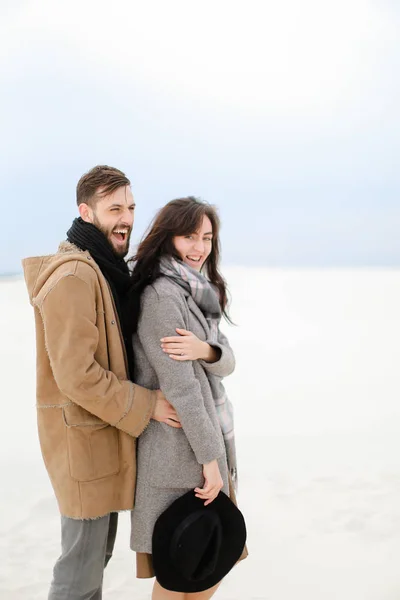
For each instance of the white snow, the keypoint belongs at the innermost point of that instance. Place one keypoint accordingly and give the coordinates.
(316, 396)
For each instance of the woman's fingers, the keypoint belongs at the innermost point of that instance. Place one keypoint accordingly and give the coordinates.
(208, 494)
(209, 488)
(169, 347)
(205, 490)
(184, 347)
(213, 482)
(205, 498)
(172, 340)
(178, 352)
(208, 500)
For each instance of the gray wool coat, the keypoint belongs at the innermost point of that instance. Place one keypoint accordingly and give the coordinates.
(170, 460)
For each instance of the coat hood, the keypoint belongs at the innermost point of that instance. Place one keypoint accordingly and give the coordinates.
(38, 269)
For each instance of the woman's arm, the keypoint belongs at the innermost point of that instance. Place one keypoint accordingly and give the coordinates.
(217, 357)
(160, 316)
(225, 365)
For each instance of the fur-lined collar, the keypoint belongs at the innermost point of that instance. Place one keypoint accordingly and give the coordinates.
(67, 247)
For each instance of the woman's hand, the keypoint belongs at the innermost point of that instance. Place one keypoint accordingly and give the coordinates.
(187, 346)
(213, 483)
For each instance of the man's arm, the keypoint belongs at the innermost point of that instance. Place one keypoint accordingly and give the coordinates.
(69, 319)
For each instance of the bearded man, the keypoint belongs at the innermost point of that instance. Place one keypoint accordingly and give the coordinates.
(89, 411)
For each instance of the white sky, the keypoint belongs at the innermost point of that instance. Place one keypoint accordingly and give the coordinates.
(295, 100)
(288, 57)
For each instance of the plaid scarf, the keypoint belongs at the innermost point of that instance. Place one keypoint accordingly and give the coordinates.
(206, 297)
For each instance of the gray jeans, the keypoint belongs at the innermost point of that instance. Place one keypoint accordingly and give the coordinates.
(86, 548)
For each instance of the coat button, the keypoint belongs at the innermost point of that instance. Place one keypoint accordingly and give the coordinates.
(112, 322)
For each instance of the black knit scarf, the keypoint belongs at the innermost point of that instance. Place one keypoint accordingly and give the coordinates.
(88, 237)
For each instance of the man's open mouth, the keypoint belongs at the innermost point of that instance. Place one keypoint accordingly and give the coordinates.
(120, 235)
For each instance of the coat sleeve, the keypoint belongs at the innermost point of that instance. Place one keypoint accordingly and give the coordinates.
(225, 365)
(71, 335)
(160, 316)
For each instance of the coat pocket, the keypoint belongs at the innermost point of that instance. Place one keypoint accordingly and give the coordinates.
(172, 460)
(93, 446)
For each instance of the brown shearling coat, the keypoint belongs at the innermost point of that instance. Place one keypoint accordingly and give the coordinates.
(89, 414)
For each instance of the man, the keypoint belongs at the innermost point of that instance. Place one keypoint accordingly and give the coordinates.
(89, 412)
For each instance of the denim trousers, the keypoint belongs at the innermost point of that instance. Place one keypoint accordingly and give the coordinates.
(86, 548)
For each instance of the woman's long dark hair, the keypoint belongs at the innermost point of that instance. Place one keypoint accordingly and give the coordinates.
(183, 216)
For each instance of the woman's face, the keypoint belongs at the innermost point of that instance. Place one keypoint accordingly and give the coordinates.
(195, 248)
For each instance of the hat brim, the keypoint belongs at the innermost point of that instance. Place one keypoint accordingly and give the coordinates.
(232, 543)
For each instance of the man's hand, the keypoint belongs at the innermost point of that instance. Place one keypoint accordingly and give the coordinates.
(164, 412)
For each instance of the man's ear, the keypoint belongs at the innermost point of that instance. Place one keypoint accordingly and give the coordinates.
(85, 212)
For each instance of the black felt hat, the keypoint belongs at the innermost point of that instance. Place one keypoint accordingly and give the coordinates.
(195, 546)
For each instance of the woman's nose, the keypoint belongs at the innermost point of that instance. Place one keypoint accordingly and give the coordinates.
(199, 247)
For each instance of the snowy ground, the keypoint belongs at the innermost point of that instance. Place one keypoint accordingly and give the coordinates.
(316, 393)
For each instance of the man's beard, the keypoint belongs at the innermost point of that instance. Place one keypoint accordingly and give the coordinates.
(121, 252)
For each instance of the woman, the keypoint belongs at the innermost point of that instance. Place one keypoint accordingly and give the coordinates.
(178, 348)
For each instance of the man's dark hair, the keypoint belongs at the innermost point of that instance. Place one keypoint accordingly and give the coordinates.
(107, 178)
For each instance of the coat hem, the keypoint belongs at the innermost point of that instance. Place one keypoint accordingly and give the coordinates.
(122, 510)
